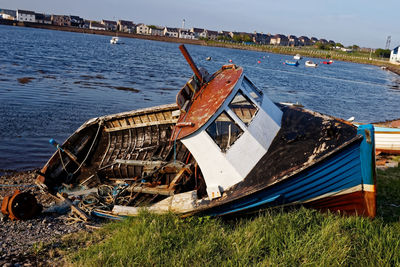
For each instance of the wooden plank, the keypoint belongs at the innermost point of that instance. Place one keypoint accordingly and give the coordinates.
(179, 203)
(138, 125)
(74, 208)
(179, 176)
(147, 163)
(152, 190)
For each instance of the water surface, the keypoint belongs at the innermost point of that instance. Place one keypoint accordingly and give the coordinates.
(51, 82)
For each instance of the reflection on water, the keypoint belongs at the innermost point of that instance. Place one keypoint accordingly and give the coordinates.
(51, 82)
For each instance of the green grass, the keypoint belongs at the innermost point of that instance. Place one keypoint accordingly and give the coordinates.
(275, 237)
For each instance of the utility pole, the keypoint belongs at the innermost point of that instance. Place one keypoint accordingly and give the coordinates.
(388, 42)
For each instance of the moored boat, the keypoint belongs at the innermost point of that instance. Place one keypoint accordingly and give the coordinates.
(291, 63)
(224, 148)
(327, 62)
(115, 40)
(297, 57)
(309, 63)
(387, 136)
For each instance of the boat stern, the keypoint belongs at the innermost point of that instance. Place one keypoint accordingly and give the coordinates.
(368, 170)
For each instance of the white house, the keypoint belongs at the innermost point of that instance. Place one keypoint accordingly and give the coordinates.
(142, 29)
(8, 14)
(395, 55)
(25, 15)
(186, 34)
(171, 32)
(94, 25)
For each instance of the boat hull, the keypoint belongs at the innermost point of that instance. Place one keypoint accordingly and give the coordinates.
(387, 140)
(344, 181)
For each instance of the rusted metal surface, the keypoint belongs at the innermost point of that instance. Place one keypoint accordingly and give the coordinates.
(20, 206)
(208, 100)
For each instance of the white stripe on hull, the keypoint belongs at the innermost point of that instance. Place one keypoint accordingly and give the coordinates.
(387, 141)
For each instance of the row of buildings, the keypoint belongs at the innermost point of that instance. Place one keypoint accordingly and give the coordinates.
(140, 28)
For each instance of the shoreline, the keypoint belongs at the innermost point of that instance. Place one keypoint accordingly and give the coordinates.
(283, 50)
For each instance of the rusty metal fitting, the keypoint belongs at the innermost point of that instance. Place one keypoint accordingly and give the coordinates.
(20, 206)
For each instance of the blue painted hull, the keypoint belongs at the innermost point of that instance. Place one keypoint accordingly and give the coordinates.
(347, 175)
(290, 63)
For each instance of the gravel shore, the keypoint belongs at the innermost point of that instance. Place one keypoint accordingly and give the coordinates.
(20, 241)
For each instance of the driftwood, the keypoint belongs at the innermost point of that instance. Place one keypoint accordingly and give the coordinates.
(74, 208)
(179, 203)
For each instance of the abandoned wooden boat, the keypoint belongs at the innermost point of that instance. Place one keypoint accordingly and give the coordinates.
(224, 148)
(387, 136)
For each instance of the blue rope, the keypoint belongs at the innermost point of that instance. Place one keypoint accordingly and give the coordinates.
(18, 185)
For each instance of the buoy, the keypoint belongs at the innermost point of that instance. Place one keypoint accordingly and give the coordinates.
(259, 62)
(230, 60)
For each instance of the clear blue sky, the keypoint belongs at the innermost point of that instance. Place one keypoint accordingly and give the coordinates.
(363, 22)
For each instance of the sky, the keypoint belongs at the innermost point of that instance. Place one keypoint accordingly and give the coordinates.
(365, 23)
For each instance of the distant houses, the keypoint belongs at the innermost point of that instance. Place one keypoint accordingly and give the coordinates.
(193, 33)
(61, 20)
(186, 34)
(126, 26)
(142, 29)
(8, 14)
(110, 25)
(43, 18)
(26, 15)
(156, 30)
(171, 32)
(279, 39)
(94, 25)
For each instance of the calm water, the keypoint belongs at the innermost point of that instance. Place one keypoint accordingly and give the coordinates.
(75, 77)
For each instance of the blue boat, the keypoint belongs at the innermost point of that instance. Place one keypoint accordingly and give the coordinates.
(223, 149)
(291, 63)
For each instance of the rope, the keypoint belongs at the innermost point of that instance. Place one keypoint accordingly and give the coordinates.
(70, 175)
(18, 185)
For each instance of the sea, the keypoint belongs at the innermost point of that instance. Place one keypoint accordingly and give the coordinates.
(51, 82)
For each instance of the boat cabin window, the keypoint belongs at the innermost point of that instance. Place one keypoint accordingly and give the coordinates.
(224, 131)
(244, 108)
(253, 91)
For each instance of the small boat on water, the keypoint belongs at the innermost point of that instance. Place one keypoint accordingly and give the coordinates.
(115, 40)
(387, 136)
(309, 63)
(327, 62)
(297, 57)
(291, 63)
(224, 148)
